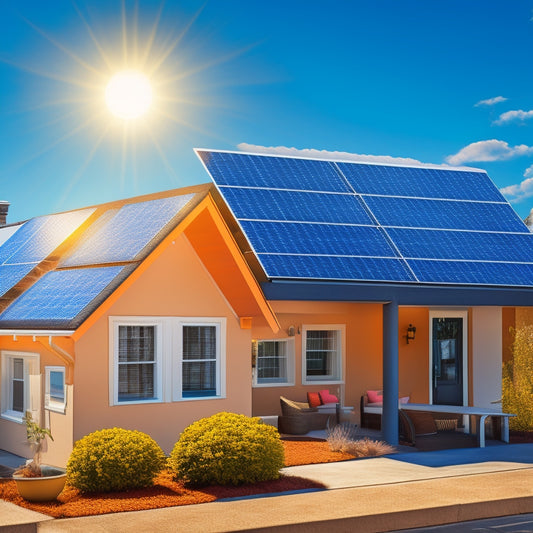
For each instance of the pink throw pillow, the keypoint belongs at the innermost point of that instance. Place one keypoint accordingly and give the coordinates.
(374, 396)
(313, 399)
(404, 399)
(326, 397)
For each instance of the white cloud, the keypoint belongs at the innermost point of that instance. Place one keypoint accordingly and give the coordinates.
(515, 115)
(491, 150)
(338, 156)
(522, 190)
(491, 101)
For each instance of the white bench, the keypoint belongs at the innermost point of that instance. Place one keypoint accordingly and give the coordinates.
(479, 413)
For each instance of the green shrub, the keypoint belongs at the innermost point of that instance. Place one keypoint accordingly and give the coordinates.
(517, 381)
(227, 449)
(114, 459)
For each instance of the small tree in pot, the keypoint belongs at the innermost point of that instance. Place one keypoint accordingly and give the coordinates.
(35, 435)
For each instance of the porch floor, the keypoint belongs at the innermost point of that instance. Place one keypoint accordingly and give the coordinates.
(9, 462)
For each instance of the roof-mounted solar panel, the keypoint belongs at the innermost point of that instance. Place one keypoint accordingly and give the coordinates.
(339, 220)
(10, 275)
(123, 235)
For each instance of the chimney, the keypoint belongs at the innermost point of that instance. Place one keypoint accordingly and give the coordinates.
(4, 207)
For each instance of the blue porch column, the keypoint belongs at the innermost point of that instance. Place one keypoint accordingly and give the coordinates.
(389, 421)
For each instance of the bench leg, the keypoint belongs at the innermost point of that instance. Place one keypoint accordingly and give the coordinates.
(480, 427)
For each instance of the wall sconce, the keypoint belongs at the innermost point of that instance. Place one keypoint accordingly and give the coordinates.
(291, 331)
(411, 332)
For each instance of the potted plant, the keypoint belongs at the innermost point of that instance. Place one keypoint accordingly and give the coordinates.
(35, 481)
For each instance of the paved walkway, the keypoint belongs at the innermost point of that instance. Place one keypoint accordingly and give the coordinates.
(401, 491)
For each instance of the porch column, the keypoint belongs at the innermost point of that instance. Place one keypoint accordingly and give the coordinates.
(389, 421)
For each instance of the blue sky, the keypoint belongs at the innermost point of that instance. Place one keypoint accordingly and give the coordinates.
(440, 82)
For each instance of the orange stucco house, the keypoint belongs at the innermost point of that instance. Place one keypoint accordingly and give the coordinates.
(287, 276)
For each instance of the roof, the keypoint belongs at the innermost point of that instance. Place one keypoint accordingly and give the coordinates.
(56, 270)
(384, 231)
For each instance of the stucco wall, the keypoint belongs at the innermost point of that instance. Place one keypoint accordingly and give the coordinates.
(364, 352)
(13, 434)
(486, 356)
(175, 285)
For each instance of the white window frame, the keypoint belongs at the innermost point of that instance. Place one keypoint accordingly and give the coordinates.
(289, 356)
(31, 371)
(169, 357)
(49, 402)
(177, 359)
(115, 323)
(340, 356)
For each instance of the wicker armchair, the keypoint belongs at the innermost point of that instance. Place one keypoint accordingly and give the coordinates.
(297, 418)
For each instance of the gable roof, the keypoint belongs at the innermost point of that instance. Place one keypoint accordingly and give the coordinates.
(384, 229)
(57, 269)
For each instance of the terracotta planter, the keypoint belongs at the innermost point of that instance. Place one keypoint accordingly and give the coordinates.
(42, 489)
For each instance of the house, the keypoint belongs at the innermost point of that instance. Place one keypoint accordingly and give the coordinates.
(287, 276)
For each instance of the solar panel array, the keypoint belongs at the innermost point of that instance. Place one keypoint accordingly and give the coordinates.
(121, 236)
(34, 241)
(327, 220)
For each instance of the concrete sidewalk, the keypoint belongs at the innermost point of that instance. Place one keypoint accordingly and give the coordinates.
(379, 494)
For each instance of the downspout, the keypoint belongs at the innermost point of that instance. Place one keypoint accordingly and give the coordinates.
(64, 356)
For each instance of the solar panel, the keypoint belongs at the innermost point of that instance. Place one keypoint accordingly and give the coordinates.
(420, 182)
(39, 237)
(10, 275)
(445, 214)
(273, 172)
(60, 294)
(122, 235)
(297, 206)
(377, 222)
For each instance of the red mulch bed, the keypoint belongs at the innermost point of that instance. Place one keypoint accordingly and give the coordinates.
(168, 493)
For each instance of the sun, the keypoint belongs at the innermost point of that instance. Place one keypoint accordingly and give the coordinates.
(129, 94)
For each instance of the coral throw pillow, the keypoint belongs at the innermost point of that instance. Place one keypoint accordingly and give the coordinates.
(326, 397)
(313, 399)
(374, 396)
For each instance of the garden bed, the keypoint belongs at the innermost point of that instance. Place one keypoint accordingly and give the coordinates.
(168, 493)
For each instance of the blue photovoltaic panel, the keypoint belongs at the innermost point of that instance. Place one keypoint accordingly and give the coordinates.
(440, 244)
(39, 237)
(244, 170)
(124, 236)
(335, 268)
(417, 213)
(268, 204)
(60, 294)
(472, 273)
(409, 216)
(420, 182)
(10, 275)
(316, 239)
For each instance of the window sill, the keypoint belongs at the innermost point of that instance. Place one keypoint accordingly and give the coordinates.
(12, 416)
(199, 398)
(266, 385)
(323, 382)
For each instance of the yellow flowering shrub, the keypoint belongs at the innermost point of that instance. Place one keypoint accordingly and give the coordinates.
(114, 459)
(227, 449)
(517, 381)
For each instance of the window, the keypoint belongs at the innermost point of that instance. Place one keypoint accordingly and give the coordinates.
(165, 359)
(20, 384)
(322, 353)
(136, 365)
(199, 357)
(274, 362)
(55, 393)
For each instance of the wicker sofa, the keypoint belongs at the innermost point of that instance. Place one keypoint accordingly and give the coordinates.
(297, 418)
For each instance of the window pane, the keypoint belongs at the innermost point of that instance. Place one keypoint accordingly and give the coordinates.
(57, 386)
(136, 382)
(136, 343)
(271, 361)
(199, 342)
(18, 368)
(18, 396)
(322, 354)
(199, 378)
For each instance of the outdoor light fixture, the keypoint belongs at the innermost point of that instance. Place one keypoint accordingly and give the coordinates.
(411, 332)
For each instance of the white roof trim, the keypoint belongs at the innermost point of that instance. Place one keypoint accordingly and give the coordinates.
(38, 332)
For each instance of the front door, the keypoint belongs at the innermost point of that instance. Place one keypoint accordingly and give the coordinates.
(448, 344)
